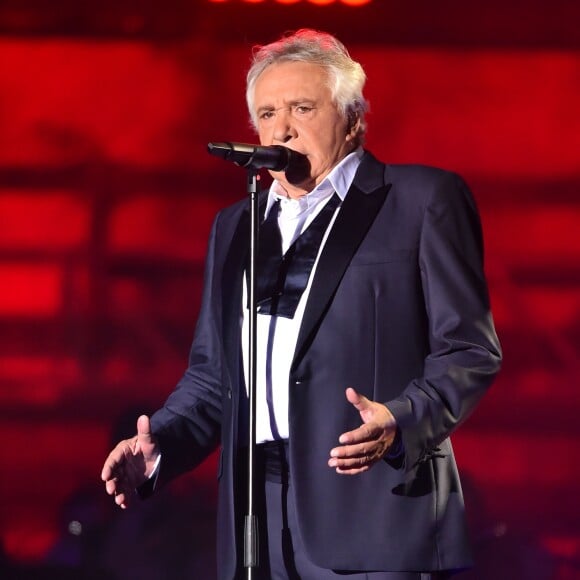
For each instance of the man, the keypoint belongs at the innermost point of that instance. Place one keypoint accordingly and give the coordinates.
(363, 370)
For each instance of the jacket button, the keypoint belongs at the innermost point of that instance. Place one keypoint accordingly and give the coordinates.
(229, 393)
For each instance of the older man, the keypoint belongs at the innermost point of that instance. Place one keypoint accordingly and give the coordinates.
(374, 343)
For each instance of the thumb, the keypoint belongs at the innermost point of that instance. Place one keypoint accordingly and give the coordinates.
(360, 402)
(144, 431)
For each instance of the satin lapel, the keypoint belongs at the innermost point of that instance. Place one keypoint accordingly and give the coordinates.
(356, 215)
(232, 279)
(232, 288)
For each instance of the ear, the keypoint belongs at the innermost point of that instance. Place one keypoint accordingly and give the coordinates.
(353, 125)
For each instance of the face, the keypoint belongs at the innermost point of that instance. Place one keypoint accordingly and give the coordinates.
(294, 108)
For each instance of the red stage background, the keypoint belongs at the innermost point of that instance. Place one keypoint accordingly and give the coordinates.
(106, 199)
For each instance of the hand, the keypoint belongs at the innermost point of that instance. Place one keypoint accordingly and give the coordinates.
(130, 463)
(369, 443)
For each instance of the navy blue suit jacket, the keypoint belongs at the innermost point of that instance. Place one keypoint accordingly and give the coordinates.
(399, 310)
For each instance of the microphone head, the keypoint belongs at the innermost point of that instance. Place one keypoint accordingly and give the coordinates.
(297, 169)
(238, 153)
(272, 157)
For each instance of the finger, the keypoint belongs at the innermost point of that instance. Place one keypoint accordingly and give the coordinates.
(366, 432)
(360, 402)
(122, 491)
(349, 461)
(121, 499)
(106, 472)
(360, 449)
(112, 463)
(351, 464)
(114, 487)
(111, 486)
(353, 471)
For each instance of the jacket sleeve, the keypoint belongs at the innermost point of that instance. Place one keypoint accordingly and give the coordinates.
(464, 351)
(188, 425)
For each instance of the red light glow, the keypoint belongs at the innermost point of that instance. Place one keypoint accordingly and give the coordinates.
(316, 2)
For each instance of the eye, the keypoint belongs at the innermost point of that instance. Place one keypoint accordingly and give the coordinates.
(303, 109)
(265, 115)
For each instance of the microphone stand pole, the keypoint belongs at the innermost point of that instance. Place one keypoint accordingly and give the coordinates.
(251, 518)
(252, 157)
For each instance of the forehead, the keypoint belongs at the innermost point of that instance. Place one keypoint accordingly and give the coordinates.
(289, 81)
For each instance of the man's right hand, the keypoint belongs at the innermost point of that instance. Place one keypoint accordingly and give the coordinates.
(130, 464)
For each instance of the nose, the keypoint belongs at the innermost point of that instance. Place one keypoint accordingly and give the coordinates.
(284, 129)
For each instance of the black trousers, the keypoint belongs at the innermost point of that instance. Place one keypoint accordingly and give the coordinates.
(282, 553)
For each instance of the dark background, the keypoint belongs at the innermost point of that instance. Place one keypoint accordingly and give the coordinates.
(106, 198)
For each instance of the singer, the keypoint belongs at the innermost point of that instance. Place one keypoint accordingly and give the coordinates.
(375, 342)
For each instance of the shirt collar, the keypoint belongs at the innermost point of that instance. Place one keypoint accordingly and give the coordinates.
(338, 180)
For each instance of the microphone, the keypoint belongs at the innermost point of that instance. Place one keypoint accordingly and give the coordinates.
(274, 157)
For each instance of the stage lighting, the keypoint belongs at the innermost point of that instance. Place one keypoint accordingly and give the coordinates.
(315, 2)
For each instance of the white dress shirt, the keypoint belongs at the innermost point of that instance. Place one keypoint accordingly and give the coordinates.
(277, 336)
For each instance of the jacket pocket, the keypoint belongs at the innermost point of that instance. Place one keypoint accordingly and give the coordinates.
(376, 257)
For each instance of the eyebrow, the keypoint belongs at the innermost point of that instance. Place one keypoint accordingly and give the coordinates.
(264, 108)
(293, 103)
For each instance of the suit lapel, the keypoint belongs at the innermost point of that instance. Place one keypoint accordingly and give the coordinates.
(232, 284)
(232, 289)
(356, 215)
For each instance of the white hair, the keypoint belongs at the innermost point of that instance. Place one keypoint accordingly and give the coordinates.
(346, 77)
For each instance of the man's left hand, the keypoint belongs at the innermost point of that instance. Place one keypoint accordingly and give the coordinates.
(363, 447)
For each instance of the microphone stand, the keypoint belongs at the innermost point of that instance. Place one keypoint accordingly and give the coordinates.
(251, 535)
(253, 157)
